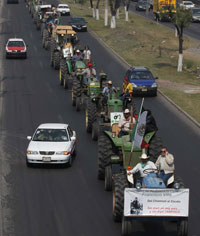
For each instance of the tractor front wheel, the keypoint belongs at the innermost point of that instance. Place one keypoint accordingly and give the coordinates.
(120, 183)
(76, 90)
(78, 103)
(95, 131)
(108, 178)
(182, 227)
(56, 60)
(90, 115)
(126, 226)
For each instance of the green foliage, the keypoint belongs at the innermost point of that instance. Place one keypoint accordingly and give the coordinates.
(182, 18)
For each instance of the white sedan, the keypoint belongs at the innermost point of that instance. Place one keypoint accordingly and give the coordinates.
(187, 5)
(52, 143)
(63, 9)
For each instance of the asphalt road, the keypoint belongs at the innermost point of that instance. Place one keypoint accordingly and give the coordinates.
(193, 30)
(58, 201)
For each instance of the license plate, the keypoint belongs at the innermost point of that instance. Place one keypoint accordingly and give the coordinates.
(46, 159)
(144, 90)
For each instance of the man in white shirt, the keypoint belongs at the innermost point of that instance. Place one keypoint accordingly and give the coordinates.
(86, 55)
(125, 123)
(142, 166)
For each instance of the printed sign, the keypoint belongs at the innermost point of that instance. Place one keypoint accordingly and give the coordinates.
(156, 202)
(67, 51)
(115, 117)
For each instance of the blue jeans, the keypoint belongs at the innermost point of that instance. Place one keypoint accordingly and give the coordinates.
(164, 176)
(122, 133)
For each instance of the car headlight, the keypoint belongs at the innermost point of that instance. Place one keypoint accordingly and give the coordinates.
(154, 85)
(32, 152)
(138, 185)
(84, 26)
(63, 153)
(177, 185)
(134, 85)
(73, 25)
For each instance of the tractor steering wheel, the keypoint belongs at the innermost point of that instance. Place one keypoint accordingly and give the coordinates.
(150, 170)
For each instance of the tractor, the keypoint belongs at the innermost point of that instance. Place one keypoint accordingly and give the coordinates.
(107, 112)
(58, 38)
(149, 198)
(39, 14)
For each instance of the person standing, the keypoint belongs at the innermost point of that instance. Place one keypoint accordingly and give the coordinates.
(165, 165)
(86, 55)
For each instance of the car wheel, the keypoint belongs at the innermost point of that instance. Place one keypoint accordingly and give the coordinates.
(28, 164)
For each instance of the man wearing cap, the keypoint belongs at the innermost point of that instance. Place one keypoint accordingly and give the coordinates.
(127, 87)
(165, 165)
(77, 56)
(125, 123)
(142, 166)
(89, 72)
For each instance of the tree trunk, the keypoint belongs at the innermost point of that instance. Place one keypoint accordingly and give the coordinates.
(180, 62)
(113, 22)
(97, 10)
(106, 13)
(97, 14)
(93, 12)
(126, 14)
(117, 14)
(92, 7)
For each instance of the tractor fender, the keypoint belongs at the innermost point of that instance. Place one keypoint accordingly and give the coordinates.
(115, 140)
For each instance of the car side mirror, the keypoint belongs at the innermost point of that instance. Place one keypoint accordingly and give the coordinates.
(156, 77)
(29, 137)
(73, 138)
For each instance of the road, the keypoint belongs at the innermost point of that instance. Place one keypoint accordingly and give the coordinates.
(69, 201)
(193, 30)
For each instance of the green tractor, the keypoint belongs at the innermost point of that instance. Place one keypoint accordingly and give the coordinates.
(39, 14)
(110, 112)
(114, 153)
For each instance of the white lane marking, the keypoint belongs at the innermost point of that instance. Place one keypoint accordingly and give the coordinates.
(41, 64)
(35, 48)
(60, 119)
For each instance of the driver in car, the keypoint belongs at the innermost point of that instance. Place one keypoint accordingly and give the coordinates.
(145, 164)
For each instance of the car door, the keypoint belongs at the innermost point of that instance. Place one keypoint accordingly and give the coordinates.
(72, 136)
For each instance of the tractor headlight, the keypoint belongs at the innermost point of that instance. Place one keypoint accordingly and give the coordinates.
(138, 185)
(154, 85)
(177, 185)
(134, 85)
(93, 99)
(58, 48)
(115, 158)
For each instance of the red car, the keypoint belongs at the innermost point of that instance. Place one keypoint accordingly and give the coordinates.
(16, 48)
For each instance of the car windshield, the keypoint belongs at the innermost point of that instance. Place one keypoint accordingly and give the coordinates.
(51, 135)
(196, 11)
(188, 3)
(78, 20)
(63, 7)
(15, 44)
(143, 3)
(140, 75)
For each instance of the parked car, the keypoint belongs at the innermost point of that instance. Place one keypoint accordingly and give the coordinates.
(52, 143)
(78, 24)
(141, 6)
(187, 5)
(195, 14)
(13, 1)
(63, 9)
(143, 81)
(16, 47)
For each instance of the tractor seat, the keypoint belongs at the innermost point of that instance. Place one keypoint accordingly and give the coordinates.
(115, 129)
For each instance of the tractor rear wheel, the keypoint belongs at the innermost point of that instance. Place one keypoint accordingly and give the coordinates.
(52, 48)
(155, 146)
(105, 150)
(182, 227)
(120, 183)
(108, 178)
(76, 90)
(126, 226)
(44, 37)
(95, 131)
(56, 60)
(90, 115)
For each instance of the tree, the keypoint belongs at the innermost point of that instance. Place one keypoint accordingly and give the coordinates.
(92, 7)
(181, 19)
(97, 10)
(126, 8)
(114, 5)
(106, 13)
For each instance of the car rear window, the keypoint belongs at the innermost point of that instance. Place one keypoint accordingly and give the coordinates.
(138, 75)
(51, 135)
(15, 44)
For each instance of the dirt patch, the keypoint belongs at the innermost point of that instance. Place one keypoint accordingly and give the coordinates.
(179, 86)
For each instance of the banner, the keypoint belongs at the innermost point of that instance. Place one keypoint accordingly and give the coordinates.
(156, 202)
(140, 130)
(115, 117)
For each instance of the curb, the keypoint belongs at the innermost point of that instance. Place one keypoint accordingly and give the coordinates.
(126, 64)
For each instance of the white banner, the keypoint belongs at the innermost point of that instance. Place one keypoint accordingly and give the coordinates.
(67, 51)
(115, 117)
(140, 130)
(156, 202)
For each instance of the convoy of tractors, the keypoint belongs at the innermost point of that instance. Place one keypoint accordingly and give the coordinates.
(132, 197)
